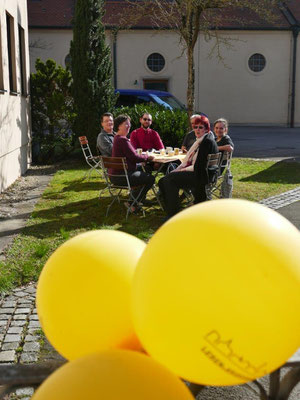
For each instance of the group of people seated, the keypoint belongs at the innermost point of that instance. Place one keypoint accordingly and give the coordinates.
(114, 141)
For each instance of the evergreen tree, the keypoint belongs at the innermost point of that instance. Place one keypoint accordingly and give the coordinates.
(52, 112)
(91, 68)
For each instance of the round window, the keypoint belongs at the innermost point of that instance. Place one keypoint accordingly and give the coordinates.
(257, 62)
(155, 62)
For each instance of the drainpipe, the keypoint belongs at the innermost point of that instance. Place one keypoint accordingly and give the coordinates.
(295, 30)
(114, 56)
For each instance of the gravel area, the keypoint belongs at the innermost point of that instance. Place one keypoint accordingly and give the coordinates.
(18, 192)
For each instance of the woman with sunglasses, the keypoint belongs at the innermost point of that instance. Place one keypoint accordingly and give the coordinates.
(184, 177)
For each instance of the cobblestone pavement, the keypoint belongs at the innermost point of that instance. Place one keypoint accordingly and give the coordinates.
(19, 327)
(283, 199)
(21, 338)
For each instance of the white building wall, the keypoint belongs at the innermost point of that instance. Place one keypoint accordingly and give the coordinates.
(14, 108)
(49, 43)
(297, 98)
(133, 48)
(237, 93)
(234, 92)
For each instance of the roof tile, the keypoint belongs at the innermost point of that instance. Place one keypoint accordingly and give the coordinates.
(59, 13)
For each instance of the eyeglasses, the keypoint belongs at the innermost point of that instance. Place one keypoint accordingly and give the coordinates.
(146, 119)
(199, 127)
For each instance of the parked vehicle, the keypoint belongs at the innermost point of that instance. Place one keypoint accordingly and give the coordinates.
(130, 97)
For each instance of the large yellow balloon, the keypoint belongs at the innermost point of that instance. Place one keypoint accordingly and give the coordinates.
(83, 293)
(113, 375)
(216, 294)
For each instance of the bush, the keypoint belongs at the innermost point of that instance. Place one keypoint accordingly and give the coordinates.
(172, 126)
(52, 112)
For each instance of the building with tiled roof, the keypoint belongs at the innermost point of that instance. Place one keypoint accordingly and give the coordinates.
(257, 83)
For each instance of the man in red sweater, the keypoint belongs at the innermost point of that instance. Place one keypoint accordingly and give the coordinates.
(144, 137)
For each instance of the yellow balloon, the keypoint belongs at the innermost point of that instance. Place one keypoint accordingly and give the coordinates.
(83, 293)
(216, 294)
(113, 375)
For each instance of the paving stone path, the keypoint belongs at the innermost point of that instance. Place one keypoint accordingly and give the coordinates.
(283, 199)
(21, 338)
(20, 329)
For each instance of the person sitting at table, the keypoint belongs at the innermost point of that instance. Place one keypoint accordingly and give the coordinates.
(105, 138)
(144, 137)
(190, 137)
(123, 148)
(223, 140)
(185, 177)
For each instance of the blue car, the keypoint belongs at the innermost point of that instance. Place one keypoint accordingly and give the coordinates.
(130, 97)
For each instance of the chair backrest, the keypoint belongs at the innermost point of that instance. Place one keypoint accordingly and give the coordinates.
(213, 160)
(84, 143)
(83, 140)
(225, 158)
(225, 161)
(213, 167)
(117, 164)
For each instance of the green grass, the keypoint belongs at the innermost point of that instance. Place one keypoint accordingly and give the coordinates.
(70, 205)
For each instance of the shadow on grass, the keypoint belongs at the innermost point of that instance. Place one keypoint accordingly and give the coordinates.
(281, 172)
(86, 215)
(81, 186)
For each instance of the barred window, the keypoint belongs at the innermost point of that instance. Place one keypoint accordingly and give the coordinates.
(155, 62)
(257, 62)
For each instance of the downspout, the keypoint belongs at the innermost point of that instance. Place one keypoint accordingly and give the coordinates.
(294, 27)
(295, 31)
(114, 56)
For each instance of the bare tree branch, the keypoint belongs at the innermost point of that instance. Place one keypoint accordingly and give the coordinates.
(190, 17)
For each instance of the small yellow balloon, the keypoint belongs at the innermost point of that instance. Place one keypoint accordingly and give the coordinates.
(113, 375)
(216, 294)
(83, 293)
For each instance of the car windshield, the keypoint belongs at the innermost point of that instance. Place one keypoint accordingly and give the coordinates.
(170, 101)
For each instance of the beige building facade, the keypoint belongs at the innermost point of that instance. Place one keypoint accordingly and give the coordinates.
(227, 88)
(14, 88)
(257, 83)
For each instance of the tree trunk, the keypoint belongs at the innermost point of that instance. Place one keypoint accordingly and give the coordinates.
(191, 81)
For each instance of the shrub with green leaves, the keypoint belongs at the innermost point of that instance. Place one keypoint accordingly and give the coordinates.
(171, 125)
(51, 110)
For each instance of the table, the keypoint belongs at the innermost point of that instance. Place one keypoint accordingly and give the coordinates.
(162, 160)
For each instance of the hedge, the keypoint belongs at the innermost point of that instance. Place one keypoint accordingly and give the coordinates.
(172, 126)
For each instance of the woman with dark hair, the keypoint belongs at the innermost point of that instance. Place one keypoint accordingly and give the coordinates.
(185, 176)
(223, 140)
(123, 148)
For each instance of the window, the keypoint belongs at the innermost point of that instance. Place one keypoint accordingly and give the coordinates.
(156, 84)
(257, 62)
(155, 62)
(22, 61)
(127, 100)
(11, 54)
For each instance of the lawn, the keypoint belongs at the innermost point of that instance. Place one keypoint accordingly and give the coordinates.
(71, 205)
